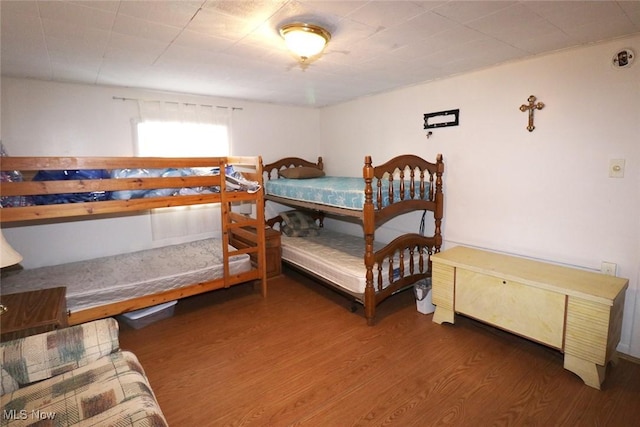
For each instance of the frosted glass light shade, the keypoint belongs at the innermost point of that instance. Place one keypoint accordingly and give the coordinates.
(305, 40)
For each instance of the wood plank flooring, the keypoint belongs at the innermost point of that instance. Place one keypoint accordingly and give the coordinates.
(300, 357)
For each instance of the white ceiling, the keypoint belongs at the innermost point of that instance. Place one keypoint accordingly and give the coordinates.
(233, 49)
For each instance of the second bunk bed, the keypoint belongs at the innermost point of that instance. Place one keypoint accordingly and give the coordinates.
(367, 270)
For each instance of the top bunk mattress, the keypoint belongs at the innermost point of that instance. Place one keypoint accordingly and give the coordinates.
(336, 257)
(101, 281)
(341, 192)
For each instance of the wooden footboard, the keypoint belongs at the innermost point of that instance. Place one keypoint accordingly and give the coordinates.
(419, 188)
(396, 255)
(393, 260)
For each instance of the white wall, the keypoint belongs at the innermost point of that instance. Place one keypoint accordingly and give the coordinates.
(544, 194)
(57, 119)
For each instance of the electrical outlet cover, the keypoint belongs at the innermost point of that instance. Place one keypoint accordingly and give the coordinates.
(608, 268)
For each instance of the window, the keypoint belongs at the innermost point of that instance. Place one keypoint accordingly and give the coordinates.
(182, 130)
(181, 139)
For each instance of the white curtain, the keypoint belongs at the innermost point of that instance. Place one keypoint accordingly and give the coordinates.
(173, 134)
(166, 111)
(176, 120)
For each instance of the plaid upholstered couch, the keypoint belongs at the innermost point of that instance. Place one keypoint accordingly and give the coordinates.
(75, 376)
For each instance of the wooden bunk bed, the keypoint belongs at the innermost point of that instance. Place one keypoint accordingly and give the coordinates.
(401, 185)
(219, 191)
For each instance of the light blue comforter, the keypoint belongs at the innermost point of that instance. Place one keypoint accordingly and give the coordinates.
(342, 192)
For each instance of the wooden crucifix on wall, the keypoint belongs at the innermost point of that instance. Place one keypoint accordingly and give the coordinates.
(531, 107)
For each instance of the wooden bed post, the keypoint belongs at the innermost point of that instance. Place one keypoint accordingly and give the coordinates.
(369, 230)
(260, 227)
(224, 222)
(438, 214)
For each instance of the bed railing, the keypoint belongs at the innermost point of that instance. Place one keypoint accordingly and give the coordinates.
(28, 190)
(404, 184)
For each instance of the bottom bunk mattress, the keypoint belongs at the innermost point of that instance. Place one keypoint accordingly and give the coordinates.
(101, 281)
(335, 257)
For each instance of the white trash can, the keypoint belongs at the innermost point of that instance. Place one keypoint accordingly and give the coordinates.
(422, 290)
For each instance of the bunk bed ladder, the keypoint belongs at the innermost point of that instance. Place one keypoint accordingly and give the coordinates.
(252, 229)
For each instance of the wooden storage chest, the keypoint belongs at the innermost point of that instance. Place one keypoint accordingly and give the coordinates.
(576, 311)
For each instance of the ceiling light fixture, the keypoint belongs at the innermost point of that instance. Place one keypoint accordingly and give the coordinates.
(305, 40)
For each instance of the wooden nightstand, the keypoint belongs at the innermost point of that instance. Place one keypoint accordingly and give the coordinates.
(244, 237)
(33, 312)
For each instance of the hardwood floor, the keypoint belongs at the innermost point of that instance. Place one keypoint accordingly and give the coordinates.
(300, 357)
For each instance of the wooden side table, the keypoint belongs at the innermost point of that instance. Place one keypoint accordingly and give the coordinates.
(33, 312)
(246, 236)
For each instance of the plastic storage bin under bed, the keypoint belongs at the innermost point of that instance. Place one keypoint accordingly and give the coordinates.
(146, 316)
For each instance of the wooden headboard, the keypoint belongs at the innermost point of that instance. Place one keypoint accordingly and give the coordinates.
(290, 162)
